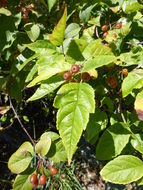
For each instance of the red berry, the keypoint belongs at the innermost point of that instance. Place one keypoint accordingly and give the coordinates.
(118, 25)
(67, 76)
(125, 71)
(105, 28)
(75, 68)
(34, 180)
(85, 77)
(105, 34)
(112, 82)
(53, 171)
(42, 180)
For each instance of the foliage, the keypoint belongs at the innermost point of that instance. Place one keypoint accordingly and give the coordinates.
(40, 42)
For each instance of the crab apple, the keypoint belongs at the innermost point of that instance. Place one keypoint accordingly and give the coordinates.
(42, 180)
(75, 68)
(124, 71)
(105, 28)
(67, 76)
(34, 180)
(112, 82)
(118, 25)
(115, 35)
(53, 171)
(85, 77)
(105, 34)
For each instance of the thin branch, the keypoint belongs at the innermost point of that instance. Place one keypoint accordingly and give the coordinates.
(120, 107)
(21, 125)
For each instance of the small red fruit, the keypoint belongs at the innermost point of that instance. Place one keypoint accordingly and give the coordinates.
(42, 180)
(105, 34)
(75, 68)
(85, 77)
(53, 171)
(34, 180)
(67, 76)
(118, 25)
(105, 28)
(124, 71)
(112, 82)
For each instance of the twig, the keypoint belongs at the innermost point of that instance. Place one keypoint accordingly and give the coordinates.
(21, 125)
(120, 107)
(96, 30)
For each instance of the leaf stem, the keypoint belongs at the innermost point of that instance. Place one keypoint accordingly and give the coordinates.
(21, 125)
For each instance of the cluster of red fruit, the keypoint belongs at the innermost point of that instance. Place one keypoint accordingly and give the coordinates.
(74, 70)
(42, 179)
(105, 28)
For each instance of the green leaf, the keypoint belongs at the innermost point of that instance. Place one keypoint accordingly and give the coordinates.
(137, 142)
(42, 47)
(97, 123)
(31, 74)
(113, 141)
(85, 13)
(5, 11)
(139, 105)
(32, 30)
(47, 70)
(22, 181)
(75, 101)
(75, 49)
(52, 135)
(131, 6)
(57, 152)
(57, 36)
(43, 146)
(51, 3)
(101, 54)
(21, 159)
(132, 81)
(130, 58)
(72, 30)
(123, 170)
(47, 87)
(20, 67)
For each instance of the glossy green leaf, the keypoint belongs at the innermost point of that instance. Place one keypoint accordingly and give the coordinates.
(32, 30)
(57, 152)
(137, 142)
(47, 70)
(75, 101)
(47, 87)
(31, 74)
(97, 123)
(52, 135)
(75, 49)
(20, 67)
(58, 34)
(51, 3)
(42, 47)
(131, 6)
(43, 146)
(123, 170)
(72, 30)
(132, 81)
(101, 54)
(21, 159)
(22, 181)
(113, 141)
(139, 105)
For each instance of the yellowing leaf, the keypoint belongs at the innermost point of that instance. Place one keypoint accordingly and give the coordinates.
(57, 36)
